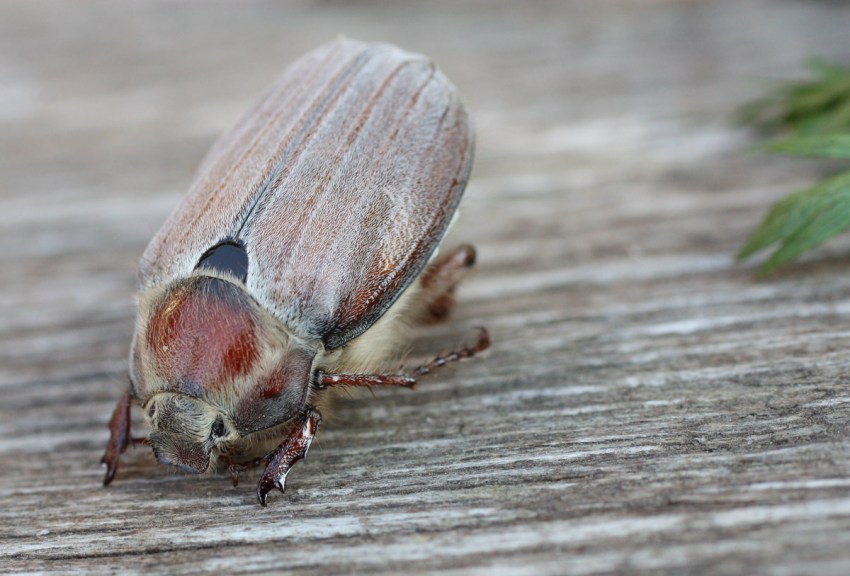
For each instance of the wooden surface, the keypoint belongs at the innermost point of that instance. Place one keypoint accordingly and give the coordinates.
(647, 407)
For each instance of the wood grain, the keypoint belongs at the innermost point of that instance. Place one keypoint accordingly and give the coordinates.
(647, 407)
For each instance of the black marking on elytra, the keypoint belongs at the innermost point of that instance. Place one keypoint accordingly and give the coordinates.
(228, 257)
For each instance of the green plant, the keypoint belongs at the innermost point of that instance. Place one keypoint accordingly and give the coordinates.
(815, 117)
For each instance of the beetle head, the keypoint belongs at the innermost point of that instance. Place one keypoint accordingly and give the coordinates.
(211, 368)
(186, 431)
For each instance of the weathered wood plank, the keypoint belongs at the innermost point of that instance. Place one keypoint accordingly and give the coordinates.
(647, 406)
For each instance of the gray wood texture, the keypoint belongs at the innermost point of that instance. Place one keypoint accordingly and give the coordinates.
(647, 406)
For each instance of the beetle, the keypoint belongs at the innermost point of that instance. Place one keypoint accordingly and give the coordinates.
(303, 250)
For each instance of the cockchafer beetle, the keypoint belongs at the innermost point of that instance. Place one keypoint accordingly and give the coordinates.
(302, 251)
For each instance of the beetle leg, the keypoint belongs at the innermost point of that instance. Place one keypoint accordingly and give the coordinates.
(119, 438)
(406, 380)
(465, 352)
(291, 450)
(440, 279)
(367, 380)
(236, 468)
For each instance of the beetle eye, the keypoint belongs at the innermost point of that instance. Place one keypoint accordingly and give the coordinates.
(219, 430)
(152, 410)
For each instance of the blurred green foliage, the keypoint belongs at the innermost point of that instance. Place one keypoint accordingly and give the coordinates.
(814, 118)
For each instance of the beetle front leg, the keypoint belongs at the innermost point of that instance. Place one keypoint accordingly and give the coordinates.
(119, 437)
(291, 450)
(236, 468)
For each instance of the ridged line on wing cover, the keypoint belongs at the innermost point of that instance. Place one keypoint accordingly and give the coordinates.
(222, 179)
(356, 213)
(308, 128)
(396, 282)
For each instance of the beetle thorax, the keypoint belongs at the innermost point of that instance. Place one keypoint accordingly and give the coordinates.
(211, 369)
